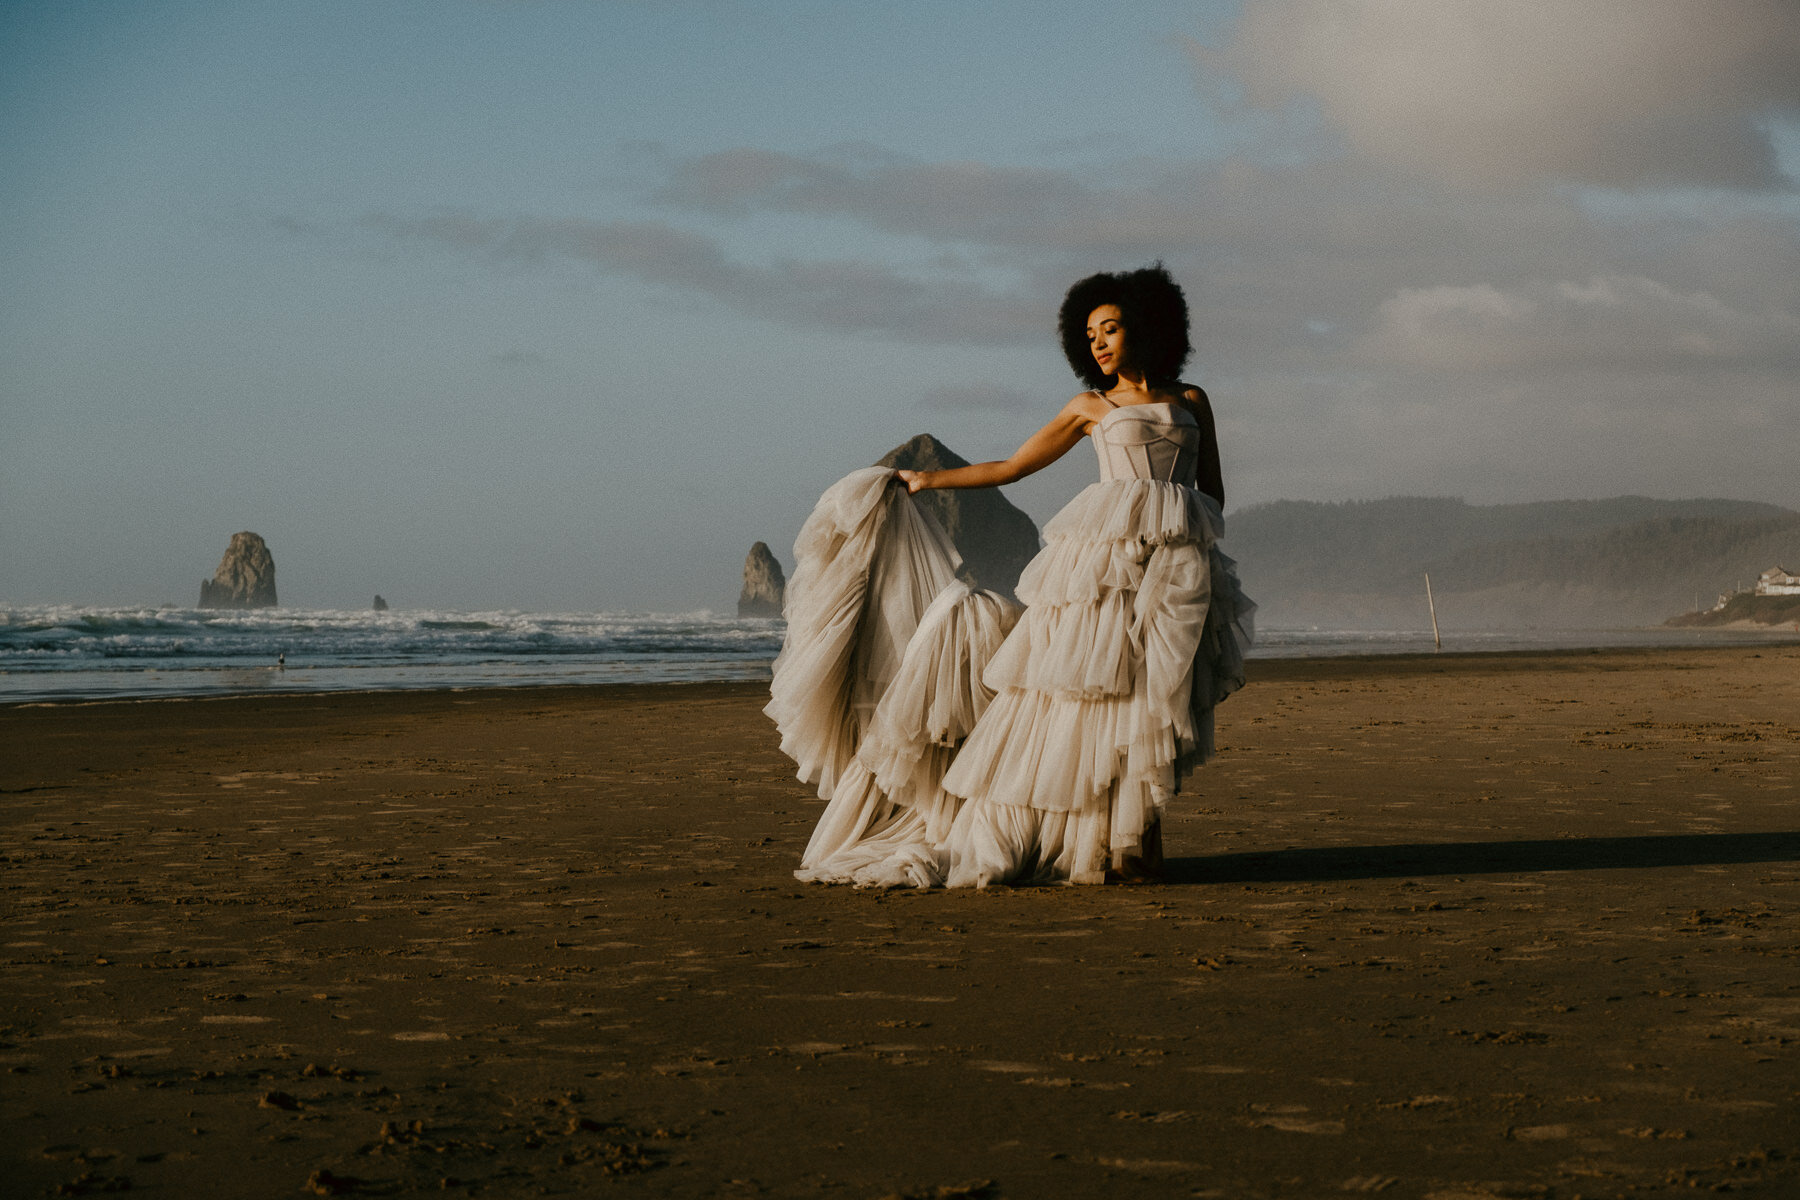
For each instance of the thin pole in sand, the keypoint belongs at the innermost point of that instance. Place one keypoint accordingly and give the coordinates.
(1436, 641)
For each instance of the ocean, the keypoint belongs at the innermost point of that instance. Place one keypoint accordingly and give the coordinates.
(71, 652)
(66, 652)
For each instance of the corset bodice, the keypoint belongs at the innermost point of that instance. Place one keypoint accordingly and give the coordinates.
(1148, 441)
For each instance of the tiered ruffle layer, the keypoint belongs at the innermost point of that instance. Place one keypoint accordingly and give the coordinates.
(1105, 690)
(867, 564)
(889, 817)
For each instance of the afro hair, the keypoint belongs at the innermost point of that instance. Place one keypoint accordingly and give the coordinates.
(1155, 316)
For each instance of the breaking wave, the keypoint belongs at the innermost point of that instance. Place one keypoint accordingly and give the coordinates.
(68, 651)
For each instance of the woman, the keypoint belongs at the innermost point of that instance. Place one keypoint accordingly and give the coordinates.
(1096, 705)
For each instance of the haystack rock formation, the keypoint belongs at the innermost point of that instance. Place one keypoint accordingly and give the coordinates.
(995, 538)
(380, 605)
(245, 578)
(764, 584)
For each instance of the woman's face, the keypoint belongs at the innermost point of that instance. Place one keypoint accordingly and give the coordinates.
(1106, 338)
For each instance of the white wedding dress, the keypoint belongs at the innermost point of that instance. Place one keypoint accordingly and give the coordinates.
(959, 741)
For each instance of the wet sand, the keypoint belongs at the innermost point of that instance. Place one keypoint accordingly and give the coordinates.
(1497, 926)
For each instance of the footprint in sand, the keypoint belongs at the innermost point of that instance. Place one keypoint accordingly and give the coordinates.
(1287, 1119)
(815, 1048)
(1541, 1133)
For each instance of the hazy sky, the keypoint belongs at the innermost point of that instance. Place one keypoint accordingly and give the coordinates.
(561, 305)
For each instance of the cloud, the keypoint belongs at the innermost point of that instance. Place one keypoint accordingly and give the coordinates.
(1606, 321)
(1264, 249)
(967, 201)
(1135, 214)
(1361, 328)
(1617, 93)
(1301, 266)
(843, 295)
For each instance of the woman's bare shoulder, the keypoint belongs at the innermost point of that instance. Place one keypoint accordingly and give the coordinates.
(1195, 399)
(1089, 406)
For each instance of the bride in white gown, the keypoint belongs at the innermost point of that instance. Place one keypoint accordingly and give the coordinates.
(959, 741)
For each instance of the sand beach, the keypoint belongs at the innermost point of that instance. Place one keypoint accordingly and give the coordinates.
(1519, 925)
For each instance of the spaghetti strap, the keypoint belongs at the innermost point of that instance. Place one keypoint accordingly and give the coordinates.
(1103, 396)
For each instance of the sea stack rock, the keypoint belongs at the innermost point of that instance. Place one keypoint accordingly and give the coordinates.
(380, 605)
(245, 578)
(764, 584)
(995, 538)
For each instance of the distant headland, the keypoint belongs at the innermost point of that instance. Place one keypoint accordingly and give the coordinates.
(1629, 561)
(1772, 601)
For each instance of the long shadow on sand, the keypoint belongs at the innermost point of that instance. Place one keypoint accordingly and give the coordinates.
(1323, 863)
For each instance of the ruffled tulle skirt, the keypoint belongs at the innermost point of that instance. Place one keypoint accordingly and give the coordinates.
(959, 741)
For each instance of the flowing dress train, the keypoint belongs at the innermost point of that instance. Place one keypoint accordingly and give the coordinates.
(958, 741)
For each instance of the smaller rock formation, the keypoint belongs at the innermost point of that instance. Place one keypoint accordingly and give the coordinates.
(764, 584)
(380, 605)
(245, 578)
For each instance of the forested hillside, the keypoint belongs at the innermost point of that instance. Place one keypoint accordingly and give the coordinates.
(1555, 564)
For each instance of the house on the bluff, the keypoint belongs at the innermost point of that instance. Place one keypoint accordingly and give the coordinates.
(1778, 581)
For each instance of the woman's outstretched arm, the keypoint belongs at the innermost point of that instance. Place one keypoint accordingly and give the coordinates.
(1040, 450)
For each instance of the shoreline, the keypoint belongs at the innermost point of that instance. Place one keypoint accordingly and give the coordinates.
(1762, 639)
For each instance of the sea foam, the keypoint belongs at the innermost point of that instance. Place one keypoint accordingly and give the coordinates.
(68, 651)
